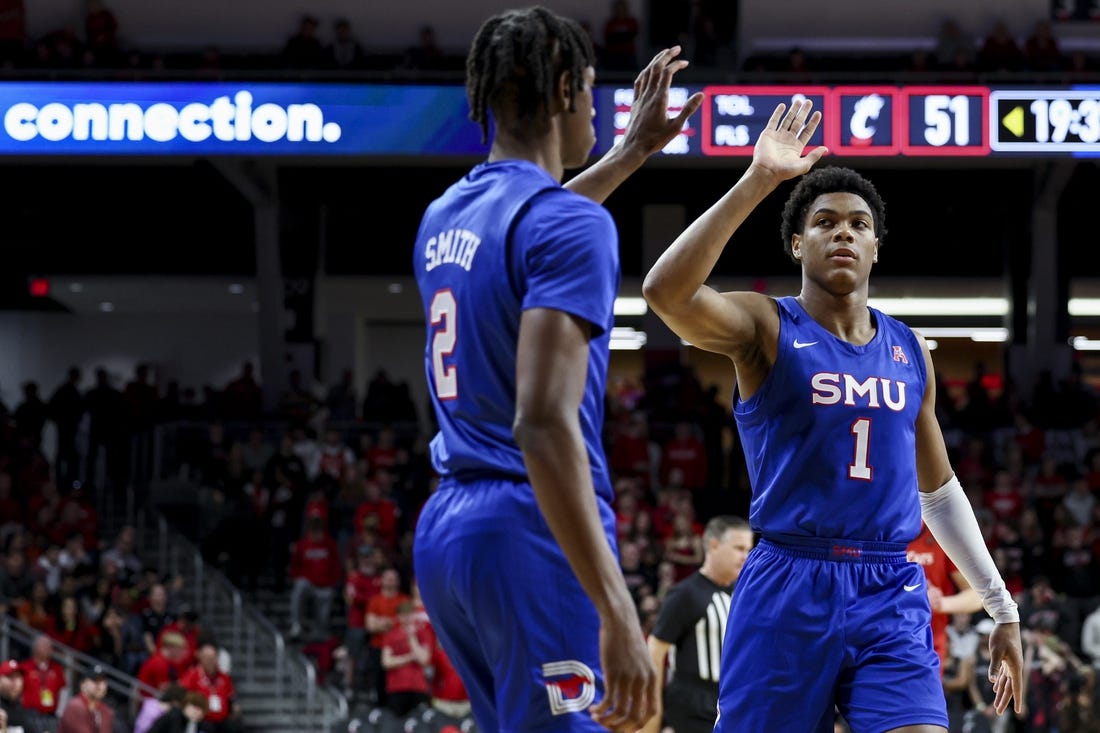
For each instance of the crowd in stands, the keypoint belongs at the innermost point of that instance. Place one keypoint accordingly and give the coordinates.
(319, 496)
(317, 500)
(707, 29)
(76, 588)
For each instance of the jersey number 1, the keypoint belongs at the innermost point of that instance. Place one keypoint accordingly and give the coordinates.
(444, 310)
(858, 468)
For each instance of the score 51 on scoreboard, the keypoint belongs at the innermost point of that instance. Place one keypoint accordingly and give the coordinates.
(913, 121)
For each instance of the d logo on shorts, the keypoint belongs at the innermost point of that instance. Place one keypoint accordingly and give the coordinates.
(573, 688)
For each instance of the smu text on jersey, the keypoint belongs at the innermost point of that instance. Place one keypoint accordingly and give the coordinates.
(873, 391)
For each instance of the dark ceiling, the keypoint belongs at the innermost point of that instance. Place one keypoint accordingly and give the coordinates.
(960, 221)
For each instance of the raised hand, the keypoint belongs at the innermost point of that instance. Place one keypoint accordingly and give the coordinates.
(778, 150)
(650, 128)
(647, 132)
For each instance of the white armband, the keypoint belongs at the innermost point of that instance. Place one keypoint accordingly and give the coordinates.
(948, 513)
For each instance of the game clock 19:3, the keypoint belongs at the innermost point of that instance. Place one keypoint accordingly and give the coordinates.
(1047, 120)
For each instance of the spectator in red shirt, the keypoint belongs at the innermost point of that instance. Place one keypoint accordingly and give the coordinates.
(626, 508)
(315, 568)
(366, 538)
(363, 583)
(335, 457)
(406, 653)
(187, 625)
(35, 611)
(168, 664)
(381, 618)
(449, 695)
(43, 678)
(1004, 498)
(44, 509)
(685, 452)
(78, 516)
(69, 627)
(630, 450)
(316, 507)
(379, 514)
(87, 712)
(223, 715)
(684, 547)
(11, 693)
(383, 454)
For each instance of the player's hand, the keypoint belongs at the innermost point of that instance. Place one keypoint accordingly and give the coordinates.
(630, 681)
(1006, 667)
(650, 128)
(778, 150)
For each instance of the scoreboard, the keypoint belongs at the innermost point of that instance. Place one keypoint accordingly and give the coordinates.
(908, 121)
(410, 121)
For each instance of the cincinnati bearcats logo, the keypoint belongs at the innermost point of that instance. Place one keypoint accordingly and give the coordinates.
(570, 685)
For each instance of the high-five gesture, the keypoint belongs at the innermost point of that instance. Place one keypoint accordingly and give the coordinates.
(778, 150)
(647, 132)
(650, 128)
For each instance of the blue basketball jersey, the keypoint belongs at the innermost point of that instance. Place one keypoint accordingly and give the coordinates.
(505, 238)
(830, 436)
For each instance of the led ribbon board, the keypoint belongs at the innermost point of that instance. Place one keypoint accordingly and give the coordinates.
(394, 121)
(193, 118)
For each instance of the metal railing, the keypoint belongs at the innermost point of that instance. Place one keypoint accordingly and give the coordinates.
(214, 595)
(16, 634)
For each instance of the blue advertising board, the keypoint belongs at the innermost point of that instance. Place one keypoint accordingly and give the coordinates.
(401, 121)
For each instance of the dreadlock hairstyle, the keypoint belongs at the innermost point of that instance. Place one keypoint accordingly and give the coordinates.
(830, 179)
(514, 64)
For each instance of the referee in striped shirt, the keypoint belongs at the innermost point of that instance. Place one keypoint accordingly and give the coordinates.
(690, 627)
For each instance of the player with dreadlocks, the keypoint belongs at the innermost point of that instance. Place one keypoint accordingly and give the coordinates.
(515, 551)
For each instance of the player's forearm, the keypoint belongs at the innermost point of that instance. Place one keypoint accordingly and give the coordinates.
(685, 266)
(392, 661)
(608, 173)
(557, 464)
(376, 624)
(965, 601)
(948, 513)
(658, 652)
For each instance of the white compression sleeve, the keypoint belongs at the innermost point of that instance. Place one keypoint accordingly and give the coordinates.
(948, 513)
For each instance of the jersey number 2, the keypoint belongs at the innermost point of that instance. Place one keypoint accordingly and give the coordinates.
(444, 310)
(858, 468)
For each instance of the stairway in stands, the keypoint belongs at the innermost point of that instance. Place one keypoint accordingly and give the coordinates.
(276, 685)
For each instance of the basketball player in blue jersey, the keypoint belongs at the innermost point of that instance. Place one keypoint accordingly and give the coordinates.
(835, 408)
(514, 552)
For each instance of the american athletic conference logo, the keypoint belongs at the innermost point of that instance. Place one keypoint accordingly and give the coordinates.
(570, 685)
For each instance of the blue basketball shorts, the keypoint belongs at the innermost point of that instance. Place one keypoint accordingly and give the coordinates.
(818, 623)
(507, 608)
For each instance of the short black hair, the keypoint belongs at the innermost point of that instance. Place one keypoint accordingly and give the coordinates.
(718, 526)
(515, 61)
(830, 179)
